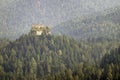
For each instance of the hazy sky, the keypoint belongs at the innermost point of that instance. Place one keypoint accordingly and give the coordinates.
(52, 12)
(19, 15)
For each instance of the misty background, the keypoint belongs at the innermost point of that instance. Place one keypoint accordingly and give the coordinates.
(17, 16)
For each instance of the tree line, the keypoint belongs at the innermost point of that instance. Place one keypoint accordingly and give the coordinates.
(59, 58)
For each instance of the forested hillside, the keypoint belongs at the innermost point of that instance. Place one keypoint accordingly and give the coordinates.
(68, 40)
(109, 70)
(3, 43)
(38, 57)
(104, 24)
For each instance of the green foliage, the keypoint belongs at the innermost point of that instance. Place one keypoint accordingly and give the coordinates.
(59, 58)
(109, 70)
(3, 43)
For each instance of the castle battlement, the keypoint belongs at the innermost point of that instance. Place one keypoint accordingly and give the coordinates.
(40, 29)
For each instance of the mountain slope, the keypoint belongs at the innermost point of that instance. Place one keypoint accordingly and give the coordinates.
(110, 66)
(105, 24)
(36, 57)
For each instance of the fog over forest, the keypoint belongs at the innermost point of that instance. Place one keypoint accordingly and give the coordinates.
(17, 16)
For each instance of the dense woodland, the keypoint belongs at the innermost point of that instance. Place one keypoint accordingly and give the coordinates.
(84, 44)
(49, 57)
(109, 69)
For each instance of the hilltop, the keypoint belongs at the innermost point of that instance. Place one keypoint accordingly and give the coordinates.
(37, 57)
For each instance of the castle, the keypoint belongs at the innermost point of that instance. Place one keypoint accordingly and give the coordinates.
(40, 29)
